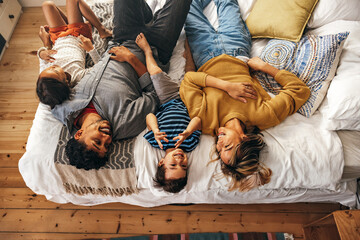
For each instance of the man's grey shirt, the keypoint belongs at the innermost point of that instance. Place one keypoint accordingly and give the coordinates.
(118, 94)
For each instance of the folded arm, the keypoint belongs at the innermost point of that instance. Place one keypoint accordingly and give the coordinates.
(294, 92)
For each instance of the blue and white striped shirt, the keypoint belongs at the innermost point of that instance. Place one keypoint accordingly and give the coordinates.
(173, 118)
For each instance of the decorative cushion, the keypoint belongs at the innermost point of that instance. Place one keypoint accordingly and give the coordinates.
(314, 60)
(281, 19)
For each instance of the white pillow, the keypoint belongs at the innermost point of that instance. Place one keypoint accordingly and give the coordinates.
(341, 105)
(328, 11)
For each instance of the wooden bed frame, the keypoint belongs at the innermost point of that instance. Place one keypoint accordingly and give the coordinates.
(25, 215)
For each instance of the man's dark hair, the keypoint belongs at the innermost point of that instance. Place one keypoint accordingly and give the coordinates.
(52, 91)
(82, 158)
(171, 185)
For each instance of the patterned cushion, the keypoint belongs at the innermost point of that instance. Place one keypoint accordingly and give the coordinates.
(313, 59)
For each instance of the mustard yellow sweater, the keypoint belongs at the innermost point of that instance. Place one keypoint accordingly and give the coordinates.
(215, 107)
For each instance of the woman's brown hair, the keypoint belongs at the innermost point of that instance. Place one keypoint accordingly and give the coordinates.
(244, 168)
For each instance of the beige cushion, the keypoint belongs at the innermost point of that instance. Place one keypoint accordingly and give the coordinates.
(281, 19)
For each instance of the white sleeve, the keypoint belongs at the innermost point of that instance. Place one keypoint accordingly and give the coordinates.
(94, 55)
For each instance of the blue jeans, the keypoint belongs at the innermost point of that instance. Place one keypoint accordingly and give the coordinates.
(232, 37)
(162, 30)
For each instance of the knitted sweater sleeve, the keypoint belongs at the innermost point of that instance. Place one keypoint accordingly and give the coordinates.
(293, 95)
(191, 93)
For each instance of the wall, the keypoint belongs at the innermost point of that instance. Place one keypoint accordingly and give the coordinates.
(37, 3)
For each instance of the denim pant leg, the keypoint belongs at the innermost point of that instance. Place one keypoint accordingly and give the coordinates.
(202, 37)
(130, 17)
(164, 32)
(234, 34)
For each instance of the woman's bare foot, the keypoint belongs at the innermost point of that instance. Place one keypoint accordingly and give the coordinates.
(105, 33)
(143, 43)
(45, 37)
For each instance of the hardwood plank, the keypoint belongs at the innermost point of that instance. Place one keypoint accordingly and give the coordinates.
(9, 160)
(11, 177)
(58, 236)
(149, 222)
(25, 198)
(348, 224)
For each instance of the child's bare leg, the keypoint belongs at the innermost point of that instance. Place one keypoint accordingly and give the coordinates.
(77, 9)
(45, 37)
(53, 15)
(151, 64)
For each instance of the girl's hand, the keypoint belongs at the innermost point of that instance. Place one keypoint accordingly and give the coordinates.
(46, 55)
(241, 91)
(86, 43)
(160, 136)
(181, 137)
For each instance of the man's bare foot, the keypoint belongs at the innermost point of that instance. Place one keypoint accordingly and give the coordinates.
(143, 43)
(45, 37)
(105, 33)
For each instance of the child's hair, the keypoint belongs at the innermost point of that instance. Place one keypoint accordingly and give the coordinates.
(52, 91)
(82, 158)
(171, 185)
(244, 168)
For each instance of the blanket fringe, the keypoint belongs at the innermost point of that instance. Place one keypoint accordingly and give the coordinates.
(115, 192)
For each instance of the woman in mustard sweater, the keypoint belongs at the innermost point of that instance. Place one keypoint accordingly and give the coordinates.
(215, 93)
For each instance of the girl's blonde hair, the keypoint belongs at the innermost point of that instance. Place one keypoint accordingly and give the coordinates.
(244, 168)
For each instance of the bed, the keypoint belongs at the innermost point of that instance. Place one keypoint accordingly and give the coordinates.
(314, 158)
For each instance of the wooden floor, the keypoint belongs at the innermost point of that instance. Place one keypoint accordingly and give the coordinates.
(25, 215)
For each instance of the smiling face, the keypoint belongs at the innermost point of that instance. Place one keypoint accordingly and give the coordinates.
(227, 141)
(175, 163)
(96, 136)
(56, 72)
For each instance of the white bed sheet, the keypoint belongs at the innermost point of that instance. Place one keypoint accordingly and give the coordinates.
(305, 159)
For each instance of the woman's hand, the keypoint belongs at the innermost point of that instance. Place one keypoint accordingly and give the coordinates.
(256, 64)
(46, 55)
(241, 91)
(181, 137)
(259, 65)
(160, 136)
(86, 43)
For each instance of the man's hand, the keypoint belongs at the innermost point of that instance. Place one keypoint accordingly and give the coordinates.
(86, 43)
(121, 54)
(241, 91)
(181, 137)
(46, 55)
(160, 136)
